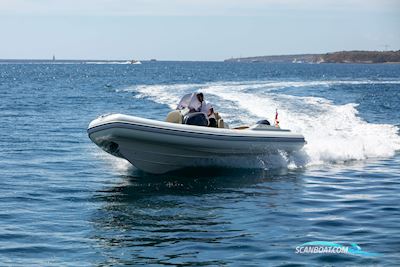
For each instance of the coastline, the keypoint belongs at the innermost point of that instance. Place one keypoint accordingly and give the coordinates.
(341, 57)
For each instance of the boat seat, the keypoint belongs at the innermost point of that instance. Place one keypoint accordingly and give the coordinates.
(220, 121)
(174, 116)
(222, 124)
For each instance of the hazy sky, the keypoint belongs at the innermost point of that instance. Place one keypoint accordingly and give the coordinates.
(193, 29)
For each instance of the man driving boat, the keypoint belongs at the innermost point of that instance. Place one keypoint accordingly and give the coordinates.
(195, 102)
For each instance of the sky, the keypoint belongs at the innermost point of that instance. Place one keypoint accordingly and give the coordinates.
(193, 29)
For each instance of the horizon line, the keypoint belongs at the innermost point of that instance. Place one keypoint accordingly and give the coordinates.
(190, 60)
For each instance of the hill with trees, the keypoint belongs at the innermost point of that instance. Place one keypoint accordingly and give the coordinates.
(335, 57)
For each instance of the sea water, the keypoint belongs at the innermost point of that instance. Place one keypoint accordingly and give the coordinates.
(65, 202)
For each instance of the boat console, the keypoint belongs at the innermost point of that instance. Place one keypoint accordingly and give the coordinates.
(194, 118)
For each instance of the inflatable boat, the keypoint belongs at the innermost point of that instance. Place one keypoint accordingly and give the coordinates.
(185, 141)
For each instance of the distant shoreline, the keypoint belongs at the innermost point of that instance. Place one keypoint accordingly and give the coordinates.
(346, 57)
(342, 57)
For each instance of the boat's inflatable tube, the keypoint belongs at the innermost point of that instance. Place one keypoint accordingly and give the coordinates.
(159, 147)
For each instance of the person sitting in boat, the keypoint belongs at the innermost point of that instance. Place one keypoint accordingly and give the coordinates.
(197, 104)
(212, 121)
(194, 102)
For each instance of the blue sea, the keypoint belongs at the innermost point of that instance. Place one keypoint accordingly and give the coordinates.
(65, 202)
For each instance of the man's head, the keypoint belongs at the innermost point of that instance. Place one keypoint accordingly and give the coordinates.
(200, 97)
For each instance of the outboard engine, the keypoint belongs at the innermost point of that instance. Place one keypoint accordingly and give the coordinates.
(197, 118)
(263, 125)
(263, 122)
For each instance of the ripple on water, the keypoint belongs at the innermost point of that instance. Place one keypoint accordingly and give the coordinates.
(63, 202)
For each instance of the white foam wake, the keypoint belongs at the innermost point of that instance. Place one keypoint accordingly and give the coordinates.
(108, 62)
(334, 133)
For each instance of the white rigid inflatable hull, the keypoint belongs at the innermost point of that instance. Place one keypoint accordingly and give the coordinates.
(159, 147)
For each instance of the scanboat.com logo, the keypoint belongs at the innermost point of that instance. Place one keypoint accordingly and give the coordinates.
(325, 247)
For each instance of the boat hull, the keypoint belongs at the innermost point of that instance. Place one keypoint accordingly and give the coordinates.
(159, 147)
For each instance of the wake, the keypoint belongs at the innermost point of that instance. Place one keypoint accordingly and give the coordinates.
(334, 133)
